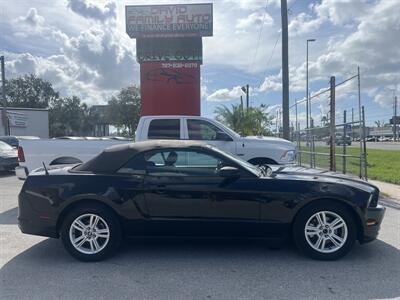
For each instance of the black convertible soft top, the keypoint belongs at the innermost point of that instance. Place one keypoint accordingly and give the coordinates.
(114, 157)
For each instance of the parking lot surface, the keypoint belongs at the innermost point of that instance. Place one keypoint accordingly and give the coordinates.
(163, 268)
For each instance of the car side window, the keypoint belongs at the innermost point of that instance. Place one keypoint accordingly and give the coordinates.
(168, 129)
(203, 130)
(182, 163)
(135, 166)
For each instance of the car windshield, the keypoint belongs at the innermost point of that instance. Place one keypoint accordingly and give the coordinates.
(246, 165)
(4, 146)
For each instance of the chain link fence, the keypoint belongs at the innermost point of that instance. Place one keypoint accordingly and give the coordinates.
(332, 136)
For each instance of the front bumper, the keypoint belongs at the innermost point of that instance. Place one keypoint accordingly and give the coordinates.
(373, 221)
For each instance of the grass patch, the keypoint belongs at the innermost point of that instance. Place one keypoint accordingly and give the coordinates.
(383, 165)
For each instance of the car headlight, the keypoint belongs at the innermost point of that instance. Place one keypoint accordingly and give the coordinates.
(288, 155)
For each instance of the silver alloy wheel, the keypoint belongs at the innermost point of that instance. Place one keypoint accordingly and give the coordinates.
(89, 233)
(326, 231)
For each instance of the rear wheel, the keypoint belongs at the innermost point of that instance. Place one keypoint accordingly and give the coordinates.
(325, 231)
(91, 233)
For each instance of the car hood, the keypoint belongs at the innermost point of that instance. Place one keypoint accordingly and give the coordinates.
(269, 139)
(322, 176)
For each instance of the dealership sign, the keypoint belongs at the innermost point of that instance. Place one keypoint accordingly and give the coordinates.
(179, 20)
(169, 49)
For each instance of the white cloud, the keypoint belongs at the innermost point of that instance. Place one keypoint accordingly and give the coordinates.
(32, 18)
(92, 65)
(93, 11)
(254, 20)
(252, 4)
(272, 83)
(31, 23)
(304, 23)
(341, 12)
(226, 94)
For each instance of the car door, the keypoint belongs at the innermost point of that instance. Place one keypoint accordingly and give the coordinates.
(202, 130)
(183, 185)
(175, 191)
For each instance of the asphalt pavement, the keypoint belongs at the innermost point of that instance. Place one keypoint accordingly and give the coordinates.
(39, 268)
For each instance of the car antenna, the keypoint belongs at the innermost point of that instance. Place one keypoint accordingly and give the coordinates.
(45, 169)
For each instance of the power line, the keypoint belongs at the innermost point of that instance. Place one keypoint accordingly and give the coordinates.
(270, 58)
(259, 35)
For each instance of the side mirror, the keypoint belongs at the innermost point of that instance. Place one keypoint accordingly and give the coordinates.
(229, 172)
(222, 136)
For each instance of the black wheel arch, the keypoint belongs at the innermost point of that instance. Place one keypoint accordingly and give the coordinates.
(262, 160)
(63, 160)
(350, 208)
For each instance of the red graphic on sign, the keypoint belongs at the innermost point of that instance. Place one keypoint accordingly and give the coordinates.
(170, 88)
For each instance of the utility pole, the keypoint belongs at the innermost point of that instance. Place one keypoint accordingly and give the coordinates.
(247, 96)
(245, 89)
(285, 69)
(332, 122)
(4, 110)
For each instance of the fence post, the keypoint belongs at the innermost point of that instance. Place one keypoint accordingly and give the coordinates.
(365, 145)
(361, 130)
(332, 154)
(299, 143)
(344, 142)
(352, 124)
(313, 150)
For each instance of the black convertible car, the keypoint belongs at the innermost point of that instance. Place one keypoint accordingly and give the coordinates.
(185, 188)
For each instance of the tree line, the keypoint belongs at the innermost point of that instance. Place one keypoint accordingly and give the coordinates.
(69, 116)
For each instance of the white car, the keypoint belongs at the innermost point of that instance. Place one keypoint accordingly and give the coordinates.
(255, 149)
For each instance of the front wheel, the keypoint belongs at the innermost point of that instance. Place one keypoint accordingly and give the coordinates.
(324, 231)
(91, 233)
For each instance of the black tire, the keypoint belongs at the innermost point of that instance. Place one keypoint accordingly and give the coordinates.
(305, 214)
(111, 221)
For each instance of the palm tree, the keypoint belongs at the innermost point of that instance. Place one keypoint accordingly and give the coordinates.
(230, 117)
(250, 121)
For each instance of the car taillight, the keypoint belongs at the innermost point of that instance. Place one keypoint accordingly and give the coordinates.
(21, 155)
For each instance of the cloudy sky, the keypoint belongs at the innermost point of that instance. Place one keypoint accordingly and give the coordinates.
(81, 47)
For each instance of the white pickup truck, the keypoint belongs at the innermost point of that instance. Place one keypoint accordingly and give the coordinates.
(33, 153)
(255, 149)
